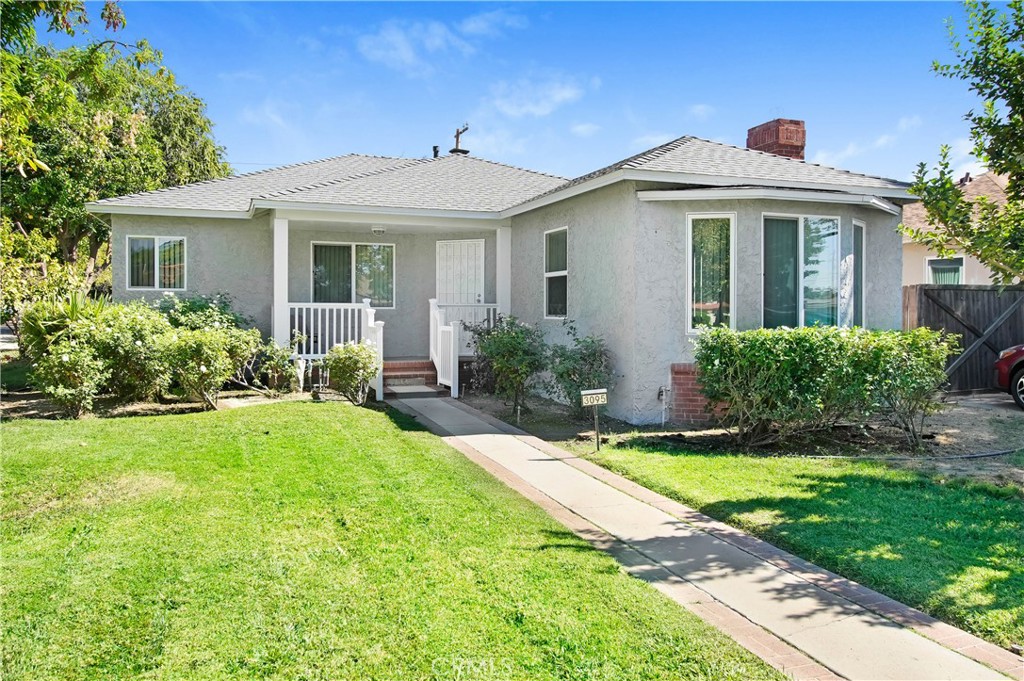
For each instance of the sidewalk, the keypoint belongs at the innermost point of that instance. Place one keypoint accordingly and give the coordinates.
(801, 619)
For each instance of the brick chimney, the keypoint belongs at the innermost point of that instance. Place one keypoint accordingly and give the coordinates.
(782, 137)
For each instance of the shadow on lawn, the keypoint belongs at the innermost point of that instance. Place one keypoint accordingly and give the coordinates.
(956, 552)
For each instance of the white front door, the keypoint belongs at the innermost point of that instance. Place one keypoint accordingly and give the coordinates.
(460, 272)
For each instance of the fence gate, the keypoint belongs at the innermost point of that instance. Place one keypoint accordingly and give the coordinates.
(987, 319)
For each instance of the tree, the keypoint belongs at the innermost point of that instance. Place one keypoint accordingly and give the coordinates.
(992, 64)
(87, 123)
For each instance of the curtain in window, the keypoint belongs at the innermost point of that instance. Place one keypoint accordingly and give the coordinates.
(140, 262)
(375, 274)
(332, 273)
(781, 251)
(946, 270)
(858, 275)
(710, 270)
(821, 264)
(172, 263)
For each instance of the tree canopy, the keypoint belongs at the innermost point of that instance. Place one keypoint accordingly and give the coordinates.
(990, 59)
(90, 122)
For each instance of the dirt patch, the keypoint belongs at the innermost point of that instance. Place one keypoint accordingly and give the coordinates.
(30, 404)
(125, 488)
(972, 424)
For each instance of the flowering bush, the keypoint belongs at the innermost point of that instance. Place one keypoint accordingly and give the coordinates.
(352, 366)
(515, 353)
(130, 340)
(201, 312)
(71, 374)
(200, 362)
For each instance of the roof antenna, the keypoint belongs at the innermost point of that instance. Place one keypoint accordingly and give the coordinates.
(458, 135)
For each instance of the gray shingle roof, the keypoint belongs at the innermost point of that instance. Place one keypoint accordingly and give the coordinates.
(454, 182)
(465, 183)
(235, 192)
(695, 156)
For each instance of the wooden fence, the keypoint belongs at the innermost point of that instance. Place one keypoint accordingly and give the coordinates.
(987, 319)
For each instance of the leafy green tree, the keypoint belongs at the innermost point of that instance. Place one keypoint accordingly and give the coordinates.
(86, 123)
(990, 60)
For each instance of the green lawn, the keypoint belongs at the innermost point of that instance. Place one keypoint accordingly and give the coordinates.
(13, 372)
(954, 551)
(308, 541)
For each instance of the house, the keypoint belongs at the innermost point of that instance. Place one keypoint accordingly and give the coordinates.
(924, 266)
(641, 252)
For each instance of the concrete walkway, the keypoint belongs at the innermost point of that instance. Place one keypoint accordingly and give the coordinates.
(802, 620)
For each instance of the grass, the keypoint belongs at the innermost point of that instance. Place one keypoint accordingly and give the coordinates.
(308, 541)
(953, 549)
(13, 372)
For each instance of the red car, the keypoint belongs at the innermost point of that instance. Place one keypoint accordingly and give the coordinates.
(1010, 373)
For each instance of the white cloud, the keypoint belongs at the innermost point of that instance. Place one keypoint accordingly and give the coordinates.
(491, 23)
(909, 123)
(701, 112)
(829, 158)
(883, 141)
(497, 142)
(961, 157)
(584, 129)
(310, 43)
(533, 97)
(268, 114)
(651, 140)
(404, 46)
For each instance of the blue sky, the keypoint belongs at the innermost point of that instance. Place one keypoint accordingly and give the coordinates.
(563, 88)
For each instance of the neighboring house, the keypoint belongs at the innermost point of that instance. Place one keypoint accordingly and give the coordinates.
(640, 253)
(923, 266)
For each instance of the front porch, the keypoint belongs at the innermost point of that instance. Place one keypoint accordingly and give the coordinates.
(405, 286)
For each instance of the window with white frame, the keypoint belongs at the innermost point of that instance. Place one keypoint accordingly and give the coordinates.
(801, 271)
(710, 242)
(946, 270)
(156, 262)
(556, 272)
(348, 273)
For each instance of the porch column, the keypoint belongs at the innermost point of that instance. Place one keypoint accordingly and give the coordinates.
(503, 270)
(279, 316)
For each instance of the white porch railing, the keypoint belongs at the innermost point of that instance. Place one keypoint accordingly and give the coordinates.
(324, 325)
(448, 340)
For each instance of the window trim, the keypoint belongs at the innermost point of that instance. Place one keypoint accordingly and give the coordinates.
(688, 241)
(156, 262)
(800, 258)
(858, 263)
(558, 273)
(928, 268)
(353, 244)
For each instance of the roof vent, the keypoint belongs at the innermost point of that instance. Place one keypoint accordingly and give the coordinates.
(458, 135)
(782, 137)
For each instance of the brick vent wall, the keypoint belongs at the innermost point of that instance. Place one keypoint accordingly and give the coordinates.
(687, 402)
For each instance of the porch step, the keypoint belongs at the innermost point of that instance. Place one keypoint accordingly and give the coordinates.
(410, 377)
(410, 391)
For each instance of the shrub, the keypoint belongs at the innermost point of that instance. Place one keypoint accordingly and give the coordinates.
(130, 340)
(515, 353)
(352, 366)
(71, 374)
(201, 312)
(48, 322)
(583, 365)
(200, 362)
(776, 383)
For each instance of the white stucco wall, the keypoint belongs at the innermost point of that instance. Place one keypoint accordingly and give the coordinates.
(221, 256)
(627, 277)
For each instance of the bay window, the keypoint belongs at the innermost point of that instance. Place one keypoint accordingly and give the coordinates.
(710, 240)
(801, 271)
